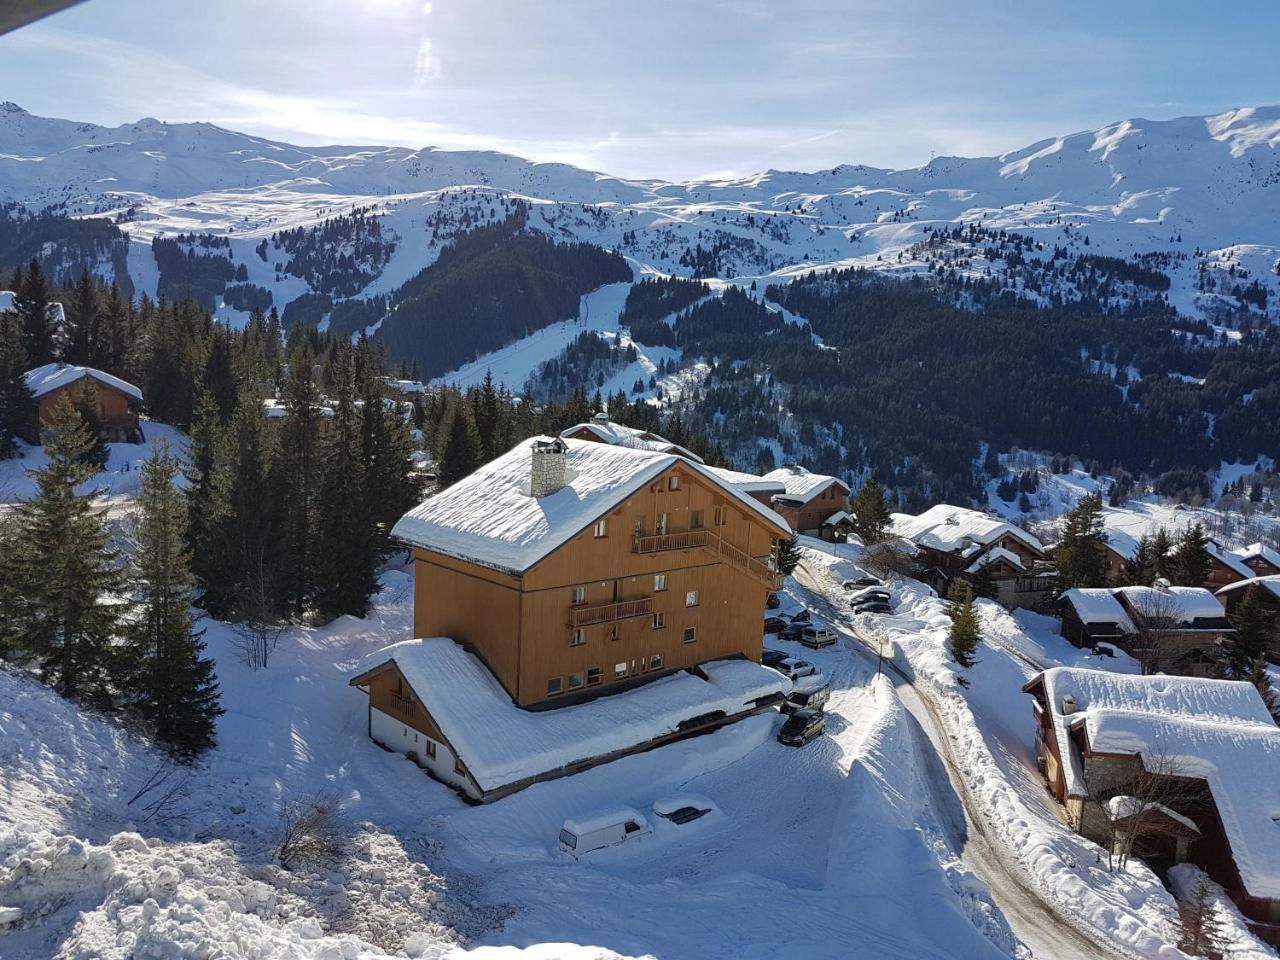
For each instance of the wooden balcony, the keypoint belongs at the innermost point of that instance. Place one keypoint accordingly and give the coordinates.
(759, 567)
(610, 612)
(403, 705)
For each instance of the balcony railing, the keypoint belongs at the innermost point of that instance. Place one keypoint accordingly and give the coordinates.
(402, 705)
(610, 612)
(760, 568)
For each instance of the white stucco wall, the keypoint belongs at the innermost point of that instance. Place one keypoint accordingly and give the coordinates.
(394, 735)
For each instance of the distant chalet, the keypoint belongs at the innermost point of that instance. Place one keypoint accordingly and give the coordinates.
(117, 401)
(581, 600)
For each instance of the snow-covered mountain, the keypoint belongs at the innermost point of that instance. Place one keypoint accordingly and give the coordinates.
(1202, 193)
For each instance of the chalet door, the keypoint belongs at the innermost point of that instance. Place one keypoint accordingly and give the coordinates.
(662, 524)
(617, 590)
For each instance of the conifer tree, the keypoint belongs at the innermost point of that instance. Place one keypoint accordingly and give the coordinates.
(84, 311)
(347, 545)
(1080, 555)
(983, 584)
(488, 417)
(458, 451)
(870, 511)
(788, 555)
(87, 406)
(1249, 642)
(61, 584)
(387, 443)
(297, 476)
(32, 307)
(1201, 932)
(119, 334)
(1161, 555)
(16, 402)
(202, 452)
(965, 631)
(1189, 565)
(173, 685)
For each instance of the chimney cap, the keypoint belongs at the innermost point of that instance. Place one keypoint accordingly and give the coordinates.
(600, 416)
(552, 445)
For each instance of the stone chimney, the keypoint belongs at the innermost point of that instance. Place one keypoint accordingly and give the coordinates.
(600, 417)
(548, 467)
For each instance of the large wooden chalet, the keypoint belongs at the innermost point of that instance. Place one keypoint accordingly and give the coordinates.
(116, 401)
(601, 597)
(956, 543)
(600, 429)
(1203, 756)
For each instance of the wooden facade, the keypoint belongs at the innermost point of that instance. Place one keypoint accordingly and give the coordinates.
(807, 516)
(678, 575)
(117, 411)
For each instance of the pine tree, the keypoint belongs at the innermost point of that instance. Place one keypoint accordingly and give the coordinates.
(84, 311)
(391, 487)
(61, 584)
(1189, 566)
(984, 584)
(965, 631)
(173, 685)
(788, 555)
(32, 307)
(458, 451)
(202, 452)
(1161, 555)
(1080, 555)
(17, 405)
(1201, 931)
(870, 510)
(1249, 641)
(87, 406)
(297, 471)
(347, 545)
(488, 418)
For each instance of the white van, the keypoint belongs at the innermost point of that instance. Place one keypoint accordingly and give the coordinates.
(583, 834)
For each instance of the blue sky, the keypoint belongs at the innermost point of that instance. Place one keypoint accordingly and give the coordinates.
(649, 88)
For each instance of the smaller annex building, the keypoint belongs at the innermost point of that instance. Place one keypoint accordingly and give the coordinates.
(813, 503)
(600, 429)
(1187, 764)
(117, 401)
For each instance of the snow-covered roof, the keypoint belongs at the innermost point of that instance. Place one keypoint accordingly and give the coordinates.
(8, 301)
(490, 518)
(54, 376)
(1259, 551)
(956, 529)
(502, 744)
(405, 386)
(1186, 604)
(748, 482)
(1099, 605)
(837, 518)
(1215, 730)
(799, 484)
(618, 434)
(277, 409)
(1269, 583)
(994, 554)
(1228, 559)
(1123, 806)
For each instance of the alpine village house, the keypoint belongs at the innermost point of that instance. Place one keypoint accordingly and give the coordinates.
(576, 600)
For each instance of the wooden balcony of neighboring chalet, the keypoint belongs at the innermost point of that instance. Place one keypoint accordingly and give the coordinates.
(610, 612)
(403, 705)
(759, 567)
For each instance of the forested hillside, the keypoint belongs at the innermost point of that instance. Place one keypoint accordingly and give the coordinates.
(491, 286)
(65, 246)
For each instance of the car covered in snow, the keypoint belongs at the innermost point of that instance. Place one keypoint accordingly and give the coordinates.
(581, 835)
(868, 593)
(804, 616)
(793, 669)
(802, 727)
(774, 625)
(817, 635)
(878, 607)
(861, 582)
(809, 693)
(683, 809)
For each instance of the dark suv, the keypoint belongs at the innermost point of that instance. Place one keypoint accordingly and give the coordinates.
(801, 727)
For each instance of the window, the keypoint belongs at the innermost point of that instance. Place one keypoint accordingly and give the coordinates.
(429, 748)
(719, 516)
(578, 596)
(690, 634)
(639, 526)
(655, 662)
(575, 681)
(458, 768)
(659, 621)
(659, 582)
(553, 686)
(673, 483)
(662, 524)
(613, 632)
(579, 638)
(601, 528)
(619, 670)
(593, 676)
(691, 598)
(695, 520)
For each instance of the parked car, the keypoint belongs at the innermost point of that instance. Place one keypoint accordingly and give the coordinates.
(581, 835)
(774, 624)
(771, 658)
(874, 608)
(870, 592)
(804, 616)
(791, 631)
(863, 601)
(817, 636)
(809, 693)
(861, 582)
(801, 727)
(794, 669)
(774, 601)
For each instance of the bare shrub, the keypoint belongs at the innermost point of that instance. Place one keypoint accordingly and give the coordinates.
(161, 793)
(312, 832)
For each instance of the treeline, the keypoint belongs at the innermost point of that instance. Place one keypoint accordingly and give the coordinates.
(188, 275)
(650, 302)
(491, 286)
(338, 257)
(66, 246)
